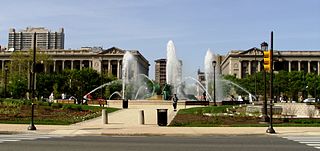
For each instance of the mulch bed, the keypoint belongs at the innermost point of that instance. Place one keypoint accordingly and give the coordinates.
(22, 114)
(201, 120)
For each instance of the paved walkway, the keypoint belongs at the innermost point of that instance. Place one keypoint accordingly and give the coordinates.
(126, 122)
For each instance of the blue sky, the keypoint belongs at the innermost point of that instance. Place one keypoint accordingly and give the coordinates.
(193, 25)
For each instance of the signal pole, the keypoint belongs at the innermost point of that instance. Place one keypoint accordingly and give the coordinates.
(264, 48)
(270, 128)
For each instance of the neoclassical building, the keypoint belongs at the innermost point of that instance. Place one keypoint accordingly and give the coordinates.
(246, 62)
(103, 60)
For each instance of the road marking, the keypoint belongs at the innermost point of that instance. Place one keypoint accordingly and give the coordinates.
(21, 137)
(313, 141)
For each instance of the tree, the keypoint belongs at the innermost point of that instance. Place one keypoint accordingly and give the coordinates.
(20, 68)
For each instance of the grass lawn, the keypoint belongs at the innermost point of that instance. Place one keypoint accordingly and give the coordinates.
(19, 112)
(219, 116)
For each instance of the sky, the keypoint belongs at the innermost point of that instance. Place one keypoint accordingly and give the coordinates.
(194, 25)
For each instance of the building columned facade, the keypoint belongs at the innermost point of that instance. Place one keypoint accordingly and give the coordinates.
(45, 39)
(242, 63)
(108, 61)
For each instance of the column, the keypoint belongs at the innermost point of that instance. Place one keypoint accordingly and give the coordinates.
(109, 66)
(72, 64)
(54, 66)
(2, 65)
(289, 66)
(309, 68)
(3, 72)
(299, 65)
(249, 67)
(318, 65)
(230, 67)
(118, 69)
(101, 66)
(259, 66)
(45, 68)
(90, 63)
(62, 65)
(240, 68)
(80, 64)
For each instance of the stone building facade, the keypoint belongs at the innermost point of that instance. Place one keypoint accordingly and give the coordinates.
(242, 63)
(108, 61)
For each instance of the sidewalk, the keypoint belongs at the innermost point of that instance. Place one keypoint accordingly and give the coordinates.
(126, 122)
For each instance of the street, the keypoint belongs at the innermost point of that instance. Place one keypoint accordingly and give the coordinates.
(155, 143)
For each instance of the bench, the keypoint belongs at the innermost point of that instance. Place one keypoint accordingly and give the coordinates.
(205, 103)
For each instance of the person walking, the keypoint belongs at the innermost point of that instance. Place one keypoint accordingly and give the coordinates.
(175, 102)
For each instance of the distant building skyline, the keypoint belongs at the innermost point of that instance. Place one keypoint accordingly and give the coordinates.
(45, 39)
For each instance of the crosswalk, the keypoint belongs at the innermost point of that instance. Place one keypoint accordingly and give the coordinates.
(313, 141)
(22, 137)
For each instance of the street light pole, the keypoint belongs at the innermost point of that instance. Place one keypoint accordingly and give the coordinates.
(214, 83)
(102, 73)
(32, 82)
(5, 81)
(255, 74)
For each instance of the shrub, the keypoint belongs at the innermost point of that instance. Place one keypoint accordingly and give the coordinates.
(57, 105)
(76, 107)
(67, 107)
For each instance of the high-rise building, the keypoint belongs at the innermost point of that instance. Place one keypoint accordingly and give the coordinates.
(45, 39)
(160, 71)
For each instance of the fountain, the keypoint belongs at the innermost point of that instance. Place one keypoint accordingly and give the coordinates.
(100, 87)
(238, 86)
(115, 93)
(139, 86)
(133, 80)
(196, 85)
(208, 70)
(129, 70)
(173, 67)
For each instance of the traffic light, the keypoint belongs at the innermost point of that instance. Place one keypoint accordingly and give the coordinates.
(267, 60)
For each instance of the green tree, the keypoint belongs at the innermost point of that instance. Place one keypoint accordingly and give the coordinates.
(19, 70)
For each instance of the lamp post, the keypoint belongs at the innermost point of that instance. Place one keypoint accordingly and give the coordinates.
(214, 82)
(32, 82)
(102, 73)
(265, 118)
(5, 81)
(255, 74)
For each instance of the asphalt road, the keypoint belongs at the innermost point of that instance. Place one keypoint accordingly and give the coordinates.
(153, 143)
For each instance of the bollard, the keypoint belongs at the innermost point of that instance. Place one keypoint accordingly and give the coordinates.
(141, 117)
(104, 116)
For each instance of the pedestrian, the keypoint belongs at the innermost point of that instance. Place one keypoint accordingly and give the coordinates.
(175, 102)
(51, 97)
(204, 94)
